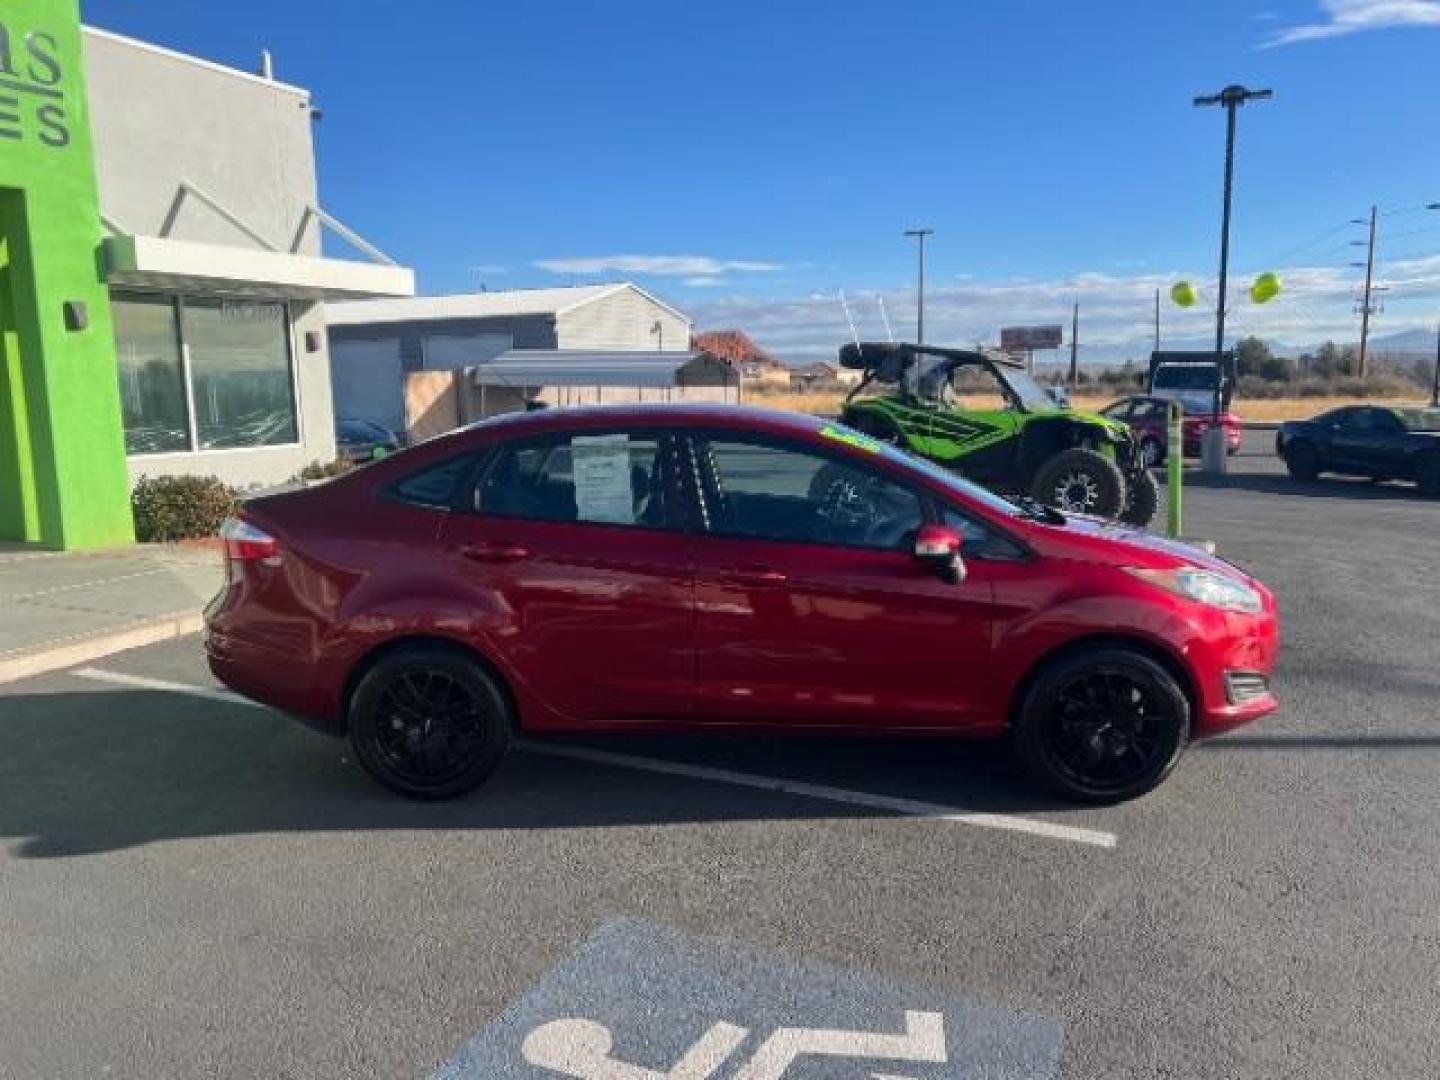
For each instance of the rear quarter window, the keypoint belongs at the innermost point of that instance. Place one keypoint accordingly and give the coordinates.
(435, 485)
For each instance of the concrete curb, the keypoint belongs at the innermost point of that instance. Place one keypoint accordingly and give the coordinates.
(58, 656)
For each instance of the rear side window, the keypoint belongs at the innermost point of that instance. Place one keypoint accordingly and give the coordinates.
(433, 486)
(605, 478)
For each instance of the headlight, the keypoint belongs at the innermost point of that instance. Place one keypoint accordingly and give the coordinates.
(1204, 587)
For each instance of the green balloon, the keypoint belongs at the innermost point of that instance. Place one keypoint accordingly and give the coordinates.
(1266, 288)
(1183, 293)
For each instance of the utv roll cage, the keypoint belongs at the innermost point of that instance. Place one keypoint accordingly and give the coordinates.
(898, 363)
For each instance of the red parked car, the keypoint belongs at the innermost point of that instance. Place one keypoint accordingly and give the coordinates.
(1148, 418)
(674, 567)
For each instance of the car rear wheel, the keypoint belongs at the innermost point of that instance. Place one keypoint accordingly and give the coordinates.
(1103, 725)
(1302, 461)
(1080, 481)
(1142, 499)
(429, 722)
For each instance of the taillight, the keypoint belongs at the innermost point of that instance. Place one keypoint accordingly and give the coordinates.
(245, 542)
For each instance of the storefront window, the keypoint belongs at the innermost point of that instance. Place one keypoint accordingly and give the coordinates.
(152, 379)
(240, 373)
(240, 378)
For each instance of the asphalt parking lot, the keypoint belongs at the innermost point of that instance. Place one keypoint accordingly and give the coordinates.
(190, 885)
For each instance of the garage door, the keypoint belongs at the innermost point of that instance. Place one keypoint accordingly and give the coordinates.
(452, 351)
(368, 381)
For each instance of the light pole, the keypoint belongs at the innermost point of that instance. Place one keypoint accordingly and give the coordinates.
(920, 235)
(1231, 98)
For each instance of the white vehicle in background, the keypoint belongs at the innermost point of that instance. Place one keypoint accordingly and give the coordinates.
(1192, 383)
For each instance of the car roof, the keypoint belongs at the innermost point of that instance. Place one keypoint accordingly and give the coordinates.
(743, 417)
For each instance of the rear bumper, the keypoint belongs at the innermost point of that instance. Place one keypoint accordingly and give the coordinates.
(251, 671)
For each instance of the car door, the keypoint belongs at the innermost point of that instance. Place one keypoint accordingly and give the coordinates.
(1352, 441)
(810, 607)
(573, 542)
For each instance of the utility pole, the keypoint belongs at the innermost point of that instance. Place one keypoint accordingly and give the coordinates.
(1435, 382)
(920, 235)
(1232, 97)
(1157, 320)
(1365, 303)
(1075, 346)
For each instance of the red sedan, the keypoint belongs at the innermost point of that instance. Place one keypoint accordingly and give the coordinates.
(1149, 419)
(667, 568)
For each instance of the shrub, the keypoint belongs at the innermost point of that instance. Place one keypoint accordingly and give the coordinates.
(317, 470)
(170, 508)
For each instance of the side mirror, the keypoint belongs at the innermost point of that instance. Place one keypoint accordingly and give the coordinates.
(938, 546)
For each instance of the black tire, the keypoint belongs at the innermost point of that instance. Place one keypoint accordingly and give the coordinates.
(1152, 454)
(1080, 481)
(428, 722)
(1302, 461)
(1102, 724)
(1143, 499)
(1428, 475)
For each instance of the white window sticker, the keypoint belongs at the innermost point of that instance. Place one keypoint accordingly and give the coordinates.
(602, 478)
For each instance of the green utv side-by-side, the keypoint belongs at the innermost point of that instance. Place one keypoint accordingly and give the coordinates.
(1036, 446)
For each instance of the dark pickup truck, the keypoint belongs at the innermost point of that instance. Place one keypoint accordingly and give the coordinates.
(1378, 441)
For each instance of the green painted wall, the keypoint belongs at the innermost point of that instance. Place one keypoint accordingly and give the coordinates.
(63, 479)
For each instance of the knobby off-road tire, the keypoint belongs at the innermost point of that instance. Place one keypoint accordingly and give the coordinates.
(1080, 481)
(1143, 500)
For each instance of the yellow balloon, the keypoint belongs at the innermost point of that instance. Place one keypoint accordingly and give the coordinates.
(1266, 288)
(1183, 293)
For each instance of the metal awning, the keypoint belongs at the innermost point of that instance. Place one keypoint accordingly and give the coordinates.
(160, 262)
(574, 367)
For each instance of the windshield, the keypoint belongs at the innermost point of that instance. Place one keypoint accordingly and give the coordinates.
(1419, 419)
(1031, 395)
(1185, 377)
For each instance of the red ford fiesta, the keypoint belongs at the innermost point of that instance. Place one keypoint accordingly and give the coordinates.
(689, 568)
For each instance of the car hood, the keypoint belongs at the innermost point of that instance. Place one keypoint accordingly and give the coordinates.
(1100, 540)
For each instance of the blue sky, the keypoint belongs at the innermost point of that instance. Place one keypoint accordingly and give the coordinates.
(745, 160)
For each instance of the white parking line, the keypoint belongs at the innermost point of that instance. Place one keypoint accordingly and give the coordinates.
(140, 682)
(892, 804)
(906, 807)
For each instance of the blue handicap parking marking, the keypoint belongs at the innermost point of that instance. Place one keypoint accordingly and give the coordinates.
(641, 1001)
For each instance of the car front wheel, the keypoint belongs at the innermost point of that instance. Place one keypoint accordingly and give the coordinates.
(428, 722)
(1102, 725)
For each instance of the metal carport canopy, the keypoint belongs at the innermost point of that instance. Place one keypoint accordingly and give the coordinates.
(577, 367)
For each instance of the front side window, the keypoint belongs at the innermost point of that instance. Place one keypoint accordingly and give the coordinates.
(768, 491)
(612, 478)
(152, 375)
(240, 373)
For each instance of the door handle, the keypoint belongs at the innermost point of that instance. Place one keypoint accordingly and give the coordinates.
(757, 576)
(494, 553)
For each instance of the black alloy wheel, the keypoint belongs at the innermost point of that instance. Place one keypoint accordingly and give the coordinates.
(1103, 725)
(428, 722)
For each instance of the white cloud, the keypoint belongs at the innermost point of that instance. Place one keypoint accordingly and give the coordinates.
(1116, 311)
(691, 266)
(1342, 17)
(702, 282)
